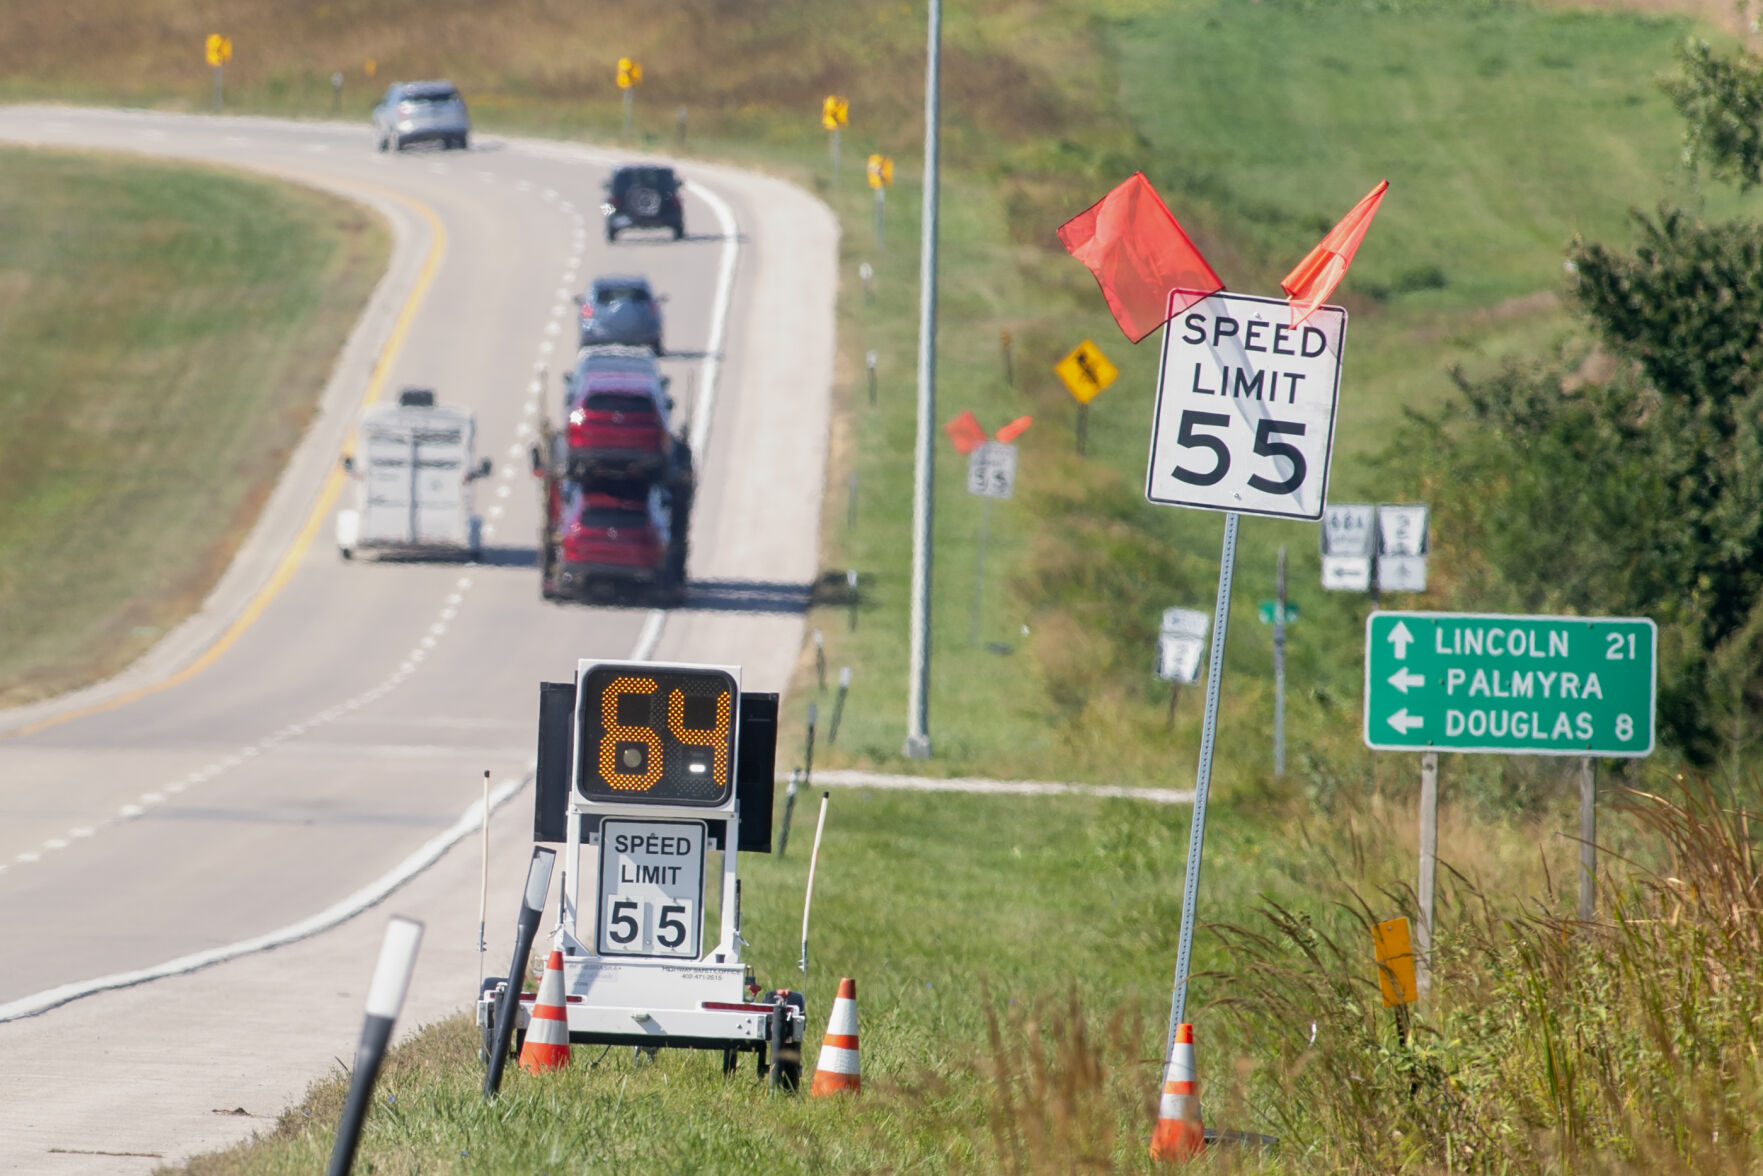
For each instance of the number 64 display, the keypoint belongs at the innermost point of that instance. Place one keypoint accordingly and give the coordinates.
(1246, 408)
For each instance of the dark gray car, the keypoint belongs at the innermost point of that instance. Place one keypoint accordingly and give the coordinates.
(621, 310)
(421, 112)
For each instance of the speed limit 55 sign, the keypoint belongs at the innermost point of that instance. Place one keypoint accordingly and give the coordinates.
(1246, 408)
(651, 888)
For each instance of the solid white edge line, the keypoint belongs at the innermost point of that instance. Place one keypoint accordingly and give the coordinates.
(725, 283)
(369, 895)
(650, 636)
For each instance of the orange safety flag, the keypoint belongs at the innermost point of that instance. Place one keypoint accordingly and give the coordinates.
(1314, 278)
(965, 432)
(1014, 429)
(1140, 256)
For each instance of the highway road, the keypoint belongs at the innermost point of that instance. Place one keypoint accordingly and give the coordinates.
(319, 723)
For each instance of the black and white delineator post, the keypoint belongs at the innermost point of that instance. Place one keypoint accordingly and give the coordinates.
(643, 769)
(497, 1011)
(385, 997)
(1244, 424)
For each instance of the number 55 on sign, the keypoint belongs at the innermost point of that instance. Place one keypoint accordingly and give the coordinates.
(1246, 408)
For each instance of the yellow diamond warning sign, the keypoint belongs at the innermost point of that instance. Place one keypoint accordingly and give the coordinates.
(1086, 372)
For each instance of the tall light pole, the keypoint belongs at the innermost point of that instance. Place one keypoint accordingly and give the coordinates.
(918, 681)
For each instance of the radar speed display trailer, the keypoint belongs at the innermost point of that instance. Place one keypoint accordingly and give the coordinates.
(644, 768)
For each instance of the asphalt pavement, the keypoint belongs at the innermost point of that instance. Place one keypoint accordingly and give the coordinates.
(320, 729)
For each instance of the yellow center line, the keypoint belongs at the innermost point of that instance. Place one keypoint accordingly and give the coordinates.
(327, 495)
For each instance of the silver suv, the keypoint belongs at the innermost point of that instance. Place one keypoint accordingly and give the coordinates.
(421, 112)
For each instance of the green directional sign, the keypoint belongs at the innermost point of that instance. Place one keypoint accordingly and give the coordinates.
(1270, 612)
(1509, 685)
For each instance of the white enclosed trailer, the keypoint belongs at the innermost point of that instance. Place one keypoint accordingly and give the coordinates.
(413, 470)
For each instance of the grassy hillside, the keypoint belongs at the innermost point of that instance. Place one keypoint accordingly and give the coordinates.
(1505, 129)
(165, 333)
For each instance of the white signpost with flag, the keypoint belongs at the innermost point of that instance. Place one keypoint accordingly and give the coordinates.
(991, 474)
(1348, 545)
(991, 470)
(1244, 424)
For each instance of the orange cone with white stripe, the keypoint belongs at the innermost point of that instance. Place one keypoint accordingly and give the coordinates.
(1179, 1134)
(836, 1068)
(547, 1033)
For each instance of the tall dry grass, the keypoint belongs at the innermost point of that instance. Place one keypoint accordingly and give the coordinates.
(1627, 1044)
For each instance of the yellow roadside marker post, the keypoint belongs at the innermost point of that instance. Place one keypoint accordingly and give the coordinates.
(835, 112)
(1395, 970)
(630, 76)
(219, 51)
(881, 178)
(1086, 373)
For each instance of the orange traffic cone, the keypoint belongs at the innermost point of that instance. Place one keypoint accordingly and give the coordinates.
(1179, 1134)
(547, 1033)
(836, 1068)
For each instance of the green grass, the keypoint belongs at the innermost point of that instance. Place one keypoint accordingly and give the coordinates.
(952, 912)
(1505, 129)
(166, 332)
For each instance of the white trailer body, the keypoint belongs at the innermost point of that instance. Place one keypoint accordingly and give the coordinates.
(413, 471)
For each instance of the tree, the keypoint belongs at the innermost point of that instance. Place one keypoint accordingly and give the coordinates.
(1721, 100)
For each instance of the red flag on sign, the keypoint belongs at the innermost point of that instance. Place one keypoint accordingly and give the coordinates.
(966, 433)
(1314, 278)
(1139, 254)
(1014, 429)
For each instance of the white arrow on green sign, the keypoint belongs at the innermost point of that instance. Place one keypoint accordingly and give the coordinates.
(1512, 685)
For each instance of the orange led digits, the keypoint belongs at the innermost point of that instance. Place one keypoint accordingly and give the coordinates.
(661, 736)
(627, 776)
(716, 738)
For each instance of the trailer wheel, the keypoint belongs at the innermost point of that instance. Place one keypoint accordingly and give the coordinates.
(786, 1055)
(346, 553)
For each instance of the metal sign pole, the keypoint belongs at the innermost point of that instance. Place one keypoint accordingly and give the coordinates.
(923, 459)
(1588, 832)
(979, 570)
(1429, 860)
(1203, 779)
(1279, 669)
(881, 231)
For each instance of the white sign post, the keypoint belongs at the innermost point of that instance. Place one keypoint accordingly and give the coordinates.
(1180, 642)
(1348, 544)
(651, 888)
(991, 470)
(1244, 424)
(1401, 547)
(991, 474)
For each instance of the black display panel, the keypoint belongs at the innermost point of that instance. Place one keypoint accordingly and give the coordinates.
(656, 736)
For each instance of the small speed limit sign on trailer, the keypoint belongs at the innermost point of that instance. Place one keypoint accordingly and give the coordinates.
(1246, 408)
(651, 888)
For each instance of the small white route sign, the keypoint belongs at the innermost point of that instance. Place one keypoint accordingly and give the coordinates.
(1246, 408)
(1347, 546)
(1401, 547)
(1181, 640)
(991, 470)
(651, 888)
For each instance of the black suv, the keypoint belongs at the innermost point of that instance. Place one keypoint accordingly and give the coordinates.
(643, 197)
